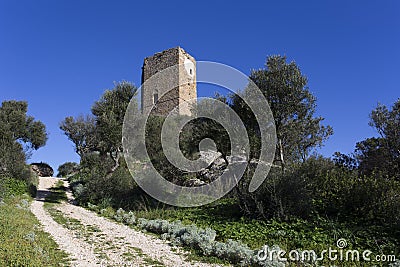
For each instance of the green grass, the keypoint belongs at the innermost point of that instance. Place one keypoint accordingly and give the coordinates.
(23, 242)
(317, 234)
(138, 251)
(57, 195)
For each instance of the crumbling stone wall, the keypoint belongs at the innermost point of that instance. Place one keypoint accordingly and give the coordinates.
(42, 169)
(163, 90)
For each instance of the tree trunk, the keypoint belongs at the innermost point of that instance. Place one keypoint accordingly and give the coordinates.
(280, 146)
(116, 163)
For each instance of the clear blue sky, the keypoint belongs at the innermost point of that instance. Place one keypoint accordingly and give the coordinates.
(61, 55)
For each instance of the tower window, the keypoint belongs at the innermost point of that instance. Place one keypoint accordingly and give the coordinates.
(190, 71)
(155, 98)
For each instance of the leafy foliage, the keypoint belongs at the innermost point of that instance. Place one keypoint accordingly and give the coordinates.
(109, 112)
(293, 107)
(307, 203)
(10, 186)
(81, 131)
(23, 242)
(15, 123)
(382, 154)
(19, 135)
(319, 188)
(102, 132)
(67, 168)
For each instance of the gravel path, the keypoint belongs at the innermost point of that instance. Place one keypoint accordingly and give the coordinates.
(91, 240)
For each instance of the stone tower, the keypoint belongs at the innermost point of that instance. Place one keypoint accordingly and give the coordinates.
(172, 87)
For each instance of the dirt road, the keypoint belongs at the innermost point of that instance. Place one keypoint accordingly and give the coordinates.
(91, 240)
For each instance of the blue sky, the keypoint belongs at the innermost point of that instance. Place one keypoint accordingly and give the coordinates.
(61, 55)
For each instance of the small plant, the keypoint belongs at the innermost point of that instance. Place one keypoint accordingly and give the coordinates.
(23, 242)
(119, 215)
(107, 212)
(23, 204)
(30, 237)
(92, 207)
(105, 202)
(125, 217)
(204, 241)
(78, 190)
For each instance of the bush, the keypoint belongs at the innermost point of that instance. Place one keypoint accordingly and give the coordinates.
(92, 177)
(320, 188)
(42, 169)
(9, 186)
(78, 190)
(67, 169)
(282, 195)
(13, 168)
(95, 183)
(107, 212)
(203, 240)
(395, 264)
(127, 218)
(375, 198)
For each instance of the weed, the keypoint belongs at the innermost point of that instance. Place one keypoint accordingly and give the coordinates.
(24, 243)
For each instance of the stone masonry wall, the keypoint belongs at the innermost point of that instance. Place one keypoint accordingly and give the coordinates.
(187, 79)
(161, 83)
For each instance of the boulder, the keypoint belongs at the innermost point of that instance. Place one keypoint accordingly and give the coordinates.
(42, 169)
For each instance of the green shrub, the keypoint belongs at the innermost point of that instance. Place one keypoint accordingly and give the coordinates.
(319, 188)
(125, 217)
(10, 186)
(107, 212)
(375, 198)
(395, 264)
(202, 240)
(68, 168)
(78, 189)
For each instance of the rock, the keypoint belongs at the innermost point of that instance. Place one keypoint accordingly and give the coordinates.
(194, 182)
(42, 169)
(217, 166)
(210, 156)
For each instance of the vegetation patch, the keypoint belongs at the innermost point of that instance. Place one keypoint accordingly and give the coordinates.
(306, 202)
(210, 234)
(23, 242)
(57, 195)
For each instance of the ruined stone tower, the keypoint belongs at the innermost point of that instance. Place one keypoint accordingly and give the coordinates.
(159, 91)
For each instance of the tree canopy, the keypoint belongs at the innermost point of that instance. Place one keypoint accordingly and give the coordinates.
(102, 131)
(81, 131)
(21, 127)
(19, 135)
(382, 154)
(293, 107)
